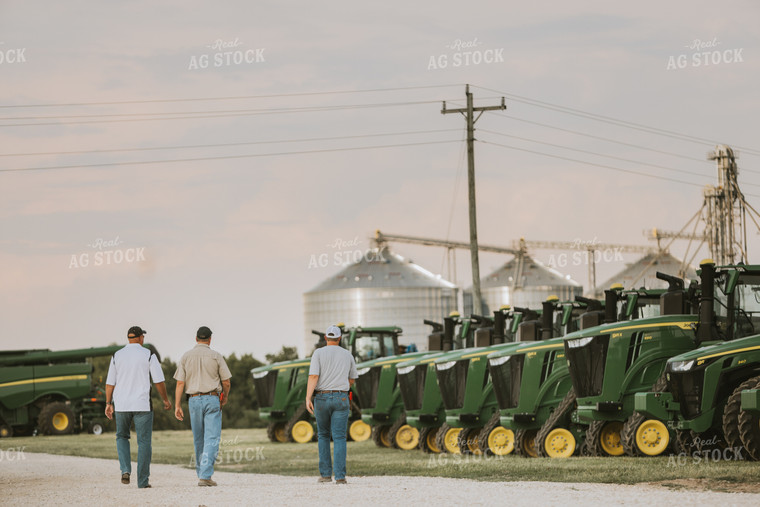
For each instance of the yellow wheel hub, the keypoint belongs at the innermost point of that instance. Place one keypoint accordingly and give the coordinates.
(384, 436)
(359, 430)
(559, 443)
(430, 439)
(501, 441)
(60, 421)
(279, 433)
(451, 440)
(302, 432)
(610, 438)
(407, 438)
(652, 437)
(529, 441)
(4, 432)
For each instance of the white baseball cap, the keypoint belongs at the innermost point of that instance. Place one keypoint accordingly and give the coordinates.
(332, 332)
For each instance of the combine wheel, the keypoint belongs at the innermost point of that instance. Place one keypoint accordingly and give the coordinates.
(731, 413)
(525, 443)
(380, 435)
(359, 431)
(559, 443)
(468, 441)
(603, 438)
(496, 440)
(427, 441)
(447, 439)
(56, 418)
(5, 431)
(276, 432)
(565, 406)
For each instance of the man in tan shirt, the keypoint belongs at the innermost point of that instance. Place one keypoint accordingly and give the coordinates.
(203, 375)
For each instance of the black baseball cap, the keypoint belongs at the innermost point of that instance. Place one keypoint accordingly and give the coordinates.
(203, 333)
(135, 332)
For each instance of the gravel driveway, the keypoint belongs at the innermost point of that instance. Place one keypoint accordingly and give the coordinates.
(44, 479)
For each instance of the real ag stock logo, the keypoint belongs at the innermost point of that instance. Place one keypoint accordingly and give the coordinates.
(226, 53)
(106, 253)
(10, 56)
(705, 53)
(463, 53)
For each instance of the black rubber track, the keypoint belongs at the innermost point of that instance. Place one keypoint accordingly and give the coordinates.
(299, 414)
(423, 440)
(521, 439)
(731, 414)
(376, 433)
(491, 425)
(564, 407)
(394, 429)
(628, 435)
(749, 429)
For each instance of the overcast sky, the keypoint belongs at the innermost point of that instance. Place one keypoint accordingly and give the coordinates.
(295, 94)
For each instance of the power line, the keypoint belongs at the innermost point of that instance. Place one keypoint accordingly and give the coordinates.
(613, 121)
(628, 171)
(240, 97)
(224, 145)
(221, 157)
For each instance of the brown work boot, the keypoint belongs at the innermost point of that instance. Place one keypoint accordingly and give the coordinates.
(125, 478)
(341, 481)
(206, 482)
(324, 479)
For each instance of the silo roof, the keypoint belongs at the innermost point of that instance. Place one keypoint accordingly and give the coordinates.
(382, 268)
(532, 273)
(634, 274)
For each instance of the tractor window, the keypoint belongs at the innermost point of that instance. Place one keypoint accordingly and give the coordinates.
(368, 348)
(747, 301)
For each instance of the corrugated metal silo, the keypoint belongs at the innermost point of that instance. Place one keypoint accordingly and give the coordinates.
(642, 272)
(525, 282)
(382, 289)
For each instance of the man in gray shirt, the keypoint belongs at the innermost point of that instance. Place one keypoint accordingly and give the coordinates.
(331, 374)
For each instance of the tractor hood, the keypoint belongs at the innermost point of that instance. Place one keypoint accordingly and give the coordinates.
(718, 349)
(294, 363)
(391, 360)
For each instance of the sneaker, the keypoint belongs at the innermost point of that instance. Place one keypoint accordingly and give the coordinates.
(206, 482)
(324, 479)
(341, 481)
(125, 478)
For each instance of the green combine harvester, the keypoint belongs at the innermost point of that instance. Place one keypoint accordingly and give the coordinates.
(418, 381)
(51, 391)
(711, 400)
(281, 387)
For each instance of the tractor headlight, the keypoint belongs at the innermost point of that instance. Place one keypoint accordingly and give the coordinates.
(681, 365)
(446, 365)
(362, 371)
(405, 370)
(579, 342)
(498, 361)
(261, 374)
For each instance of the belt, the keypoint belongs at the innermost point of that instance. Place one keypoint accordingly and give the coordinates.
(320, 392)
(210, 393)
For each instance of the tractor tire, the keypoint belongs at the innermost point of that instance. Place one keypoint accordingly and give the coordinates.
(584, 450)
(468, 441)
(5, 431)
(427, 441)
(684, 443)
(276, 432)
(380, 435)
(354, 415)
(297, 416)
(731, 432)
(749, 431)
(525, 443)
(358, 431)
(644, 437)
(447, 439)
(564, 407)
(494, 439)
(56, 418)
(603, 438)
(411, 435)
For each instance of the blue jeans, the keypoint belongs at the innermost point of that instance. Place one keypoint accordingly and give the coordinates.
(206, 422)
(331, 411)
(144, 429)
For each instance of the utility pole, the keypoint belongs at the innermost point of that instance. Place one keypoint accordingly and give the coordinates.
(468, 113)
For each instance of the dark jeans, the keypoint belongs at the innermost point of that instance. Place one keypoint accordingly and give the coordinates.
(331, 411)
(144, 429)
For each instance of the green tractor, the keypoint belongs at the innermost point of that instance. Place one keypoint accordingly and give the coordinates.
(711, 400)
(609, 364)
(532, 383)
(281, 387)
(51, 391)
(418, 380)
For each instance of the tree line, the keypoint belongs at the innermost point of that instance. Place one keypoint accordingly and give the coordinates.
(242, 409)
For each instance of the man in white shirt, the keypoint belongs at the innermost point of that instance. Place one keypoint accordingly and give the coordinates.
(128, 395)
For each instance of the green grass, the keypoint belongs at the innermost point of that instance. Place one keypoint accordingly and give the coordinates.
(242, 450)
